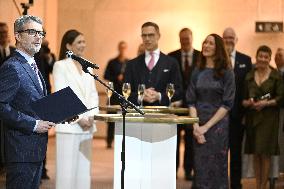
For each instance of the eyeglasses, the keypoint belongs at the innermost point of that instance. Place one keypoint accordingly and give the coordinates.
(150, 35)
(33, 32)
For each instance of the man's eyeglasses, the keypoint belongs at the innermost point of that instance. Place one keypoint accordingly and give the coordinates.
(150, 35)
(33, 32)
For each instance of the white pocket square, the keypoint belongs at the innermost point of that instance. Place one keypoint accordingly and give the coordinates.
(165, 70)
(242, 65)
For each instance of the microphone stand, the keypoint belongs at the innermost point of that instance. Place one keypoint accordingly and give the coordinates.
(124, 103)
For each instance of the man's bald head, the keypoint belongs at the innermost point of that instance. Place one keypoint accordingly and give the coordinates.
(279, 58)
(230, 39)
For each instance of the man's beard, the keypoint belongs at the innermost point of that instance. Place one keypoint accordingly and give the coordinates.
(34, 49)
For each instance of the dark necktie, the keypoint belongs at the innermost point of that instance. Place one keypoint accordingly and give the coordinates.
(4, 54)
(186, 68)
(35, 68)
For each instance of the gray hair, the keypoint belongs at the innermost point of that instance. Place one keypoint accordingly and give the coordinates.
(21, 21)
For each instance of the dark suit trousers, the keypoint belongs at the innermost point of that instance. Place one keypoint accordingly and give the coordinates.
(110, 133)
(188, 147)
(236, 132)
(23, 175)
(2, 150)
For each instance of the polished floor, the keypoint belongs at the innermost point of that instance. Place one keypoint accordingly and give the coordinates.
(102, 172)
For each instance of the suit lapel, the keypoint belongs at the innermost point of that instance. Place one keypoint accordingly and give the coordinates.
(43, 84)
(179, 59)
(143, 69)
(237, 59)
(30, 72)
(76, 76)
(159, 67)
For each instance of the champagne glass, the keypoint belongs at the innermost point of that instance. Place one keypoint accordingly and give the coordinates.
(141, 89)
(170, 90)
(126, 90)
(109, 92)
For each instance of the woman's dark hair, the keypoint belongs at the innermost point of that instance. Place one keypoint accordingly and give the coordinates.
(221, 60)
(264, 48)
(68, 38)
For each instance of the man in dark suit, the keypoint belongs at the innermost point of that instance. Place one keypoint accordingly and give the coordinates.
(5, 51)
(20, 84)
(154, 69)
(187, 58)
(114, 73)
(241, 64)
(279, 160)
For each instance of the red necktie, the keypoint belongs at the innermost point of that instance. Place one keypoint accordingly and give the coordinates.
(152, 61)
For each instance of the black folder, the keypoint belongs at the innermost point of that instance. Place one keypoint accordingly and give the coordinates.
(59, 106)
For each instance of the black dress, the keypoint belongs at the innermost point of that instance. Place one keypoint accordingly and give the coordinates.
(207, 94)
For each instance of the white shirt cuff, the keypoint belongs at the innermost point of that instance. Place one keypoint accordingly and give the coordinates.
(35, 127)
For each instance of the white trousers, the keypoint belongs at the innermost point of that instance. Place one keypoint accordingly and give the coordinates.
(73, 160)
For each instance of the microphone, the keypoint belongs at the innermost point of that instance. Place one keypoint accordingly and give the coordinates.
(82, 61)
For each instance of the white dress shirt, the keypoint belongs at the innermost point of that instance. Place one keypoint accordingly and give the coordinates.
(233, 58)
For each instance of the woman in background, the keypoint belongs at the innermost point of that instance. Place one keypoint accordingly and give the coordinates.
(74, 141)
(210, 96)
(263, 97)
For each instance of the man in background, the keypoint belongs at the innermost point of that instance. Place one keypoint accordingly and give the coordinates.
(241, 65)
(114, 73)
(187, 58)
(5, 48)
(279, 61)
(5, 51)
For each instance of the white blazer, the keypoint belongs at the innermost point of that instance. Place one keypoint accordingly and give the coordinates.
(65, 73)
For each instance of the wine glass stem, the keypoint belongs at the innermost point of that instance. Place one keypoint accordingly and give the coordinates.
(108, 101)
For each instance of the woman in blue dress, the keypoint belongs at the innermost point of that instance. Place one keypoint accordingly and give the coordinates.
(210, 96)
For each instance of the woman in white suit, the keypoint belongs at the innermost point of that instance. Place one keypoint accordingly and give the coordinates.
(74, 141)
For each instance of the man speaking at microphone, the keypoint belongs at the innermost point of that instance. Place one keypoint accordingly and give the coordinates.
(20, 84)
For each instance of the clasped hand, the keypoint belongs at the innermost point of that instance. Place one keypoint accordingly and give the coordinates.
(150, 95)
(257, 105)
(86, 123)
(199, 132)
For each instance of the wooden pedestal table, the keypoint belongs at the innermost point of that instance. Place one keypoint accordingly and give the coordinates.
(150, 150)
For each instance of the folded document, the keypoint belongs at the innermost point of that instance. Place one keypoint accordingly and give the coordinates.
(59, 106)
